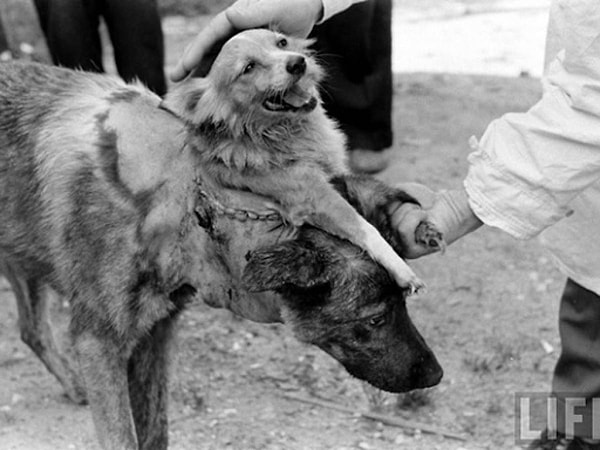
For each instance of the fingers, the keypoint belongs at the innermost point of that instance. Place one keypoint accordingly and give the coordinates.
(218, 29)
(294, 17)
(246, 14)
(405, 215)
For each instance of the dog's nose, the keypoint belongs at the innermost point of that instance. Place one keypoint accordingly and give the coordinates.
(296, 65)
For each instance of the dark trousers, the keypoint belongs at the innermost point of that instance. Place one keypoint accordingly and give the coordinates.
(355, 48)
(71, 29)
(577, 372)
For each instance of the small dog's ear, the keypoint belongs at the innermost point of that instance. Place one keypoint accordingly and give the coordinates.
(183, 98)
(284, 265)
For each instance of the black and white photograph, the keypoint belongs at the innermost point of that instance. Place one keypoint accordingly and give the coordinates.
(299, 225)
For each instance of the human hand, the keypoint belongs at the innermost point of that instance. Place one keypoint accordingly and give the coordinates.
(448, 211)
(293, 17)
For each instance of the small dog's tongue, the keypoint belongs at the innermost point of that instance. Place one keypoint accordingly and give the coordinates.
(296, 97)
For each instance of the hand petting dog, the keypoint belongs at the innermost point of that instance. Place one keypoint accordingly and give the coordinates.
(293, 17)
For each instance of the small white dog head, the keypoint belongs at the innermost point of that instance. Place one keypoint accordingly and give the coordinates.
(259, 78)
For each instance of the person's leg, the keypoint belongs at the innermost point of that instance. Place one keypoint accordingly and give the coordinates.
(137, 38)
(577, 372)
(355, 48)
(71, 28)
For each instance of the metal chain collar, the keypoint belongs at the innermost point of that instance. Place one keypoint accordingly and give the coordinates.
(241, 214)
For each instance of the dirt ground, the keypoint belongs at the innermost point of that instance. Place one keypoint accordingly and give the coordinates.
(489, 314)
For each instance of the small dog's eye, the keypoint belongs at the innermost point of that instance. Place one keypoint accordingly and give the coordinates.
(248, 68)
(281, 43)
(377, 321)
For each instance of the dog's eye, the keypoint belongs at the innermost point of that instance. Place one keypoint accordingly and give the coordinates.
(377, 321)
(282, 43)
(248, 68)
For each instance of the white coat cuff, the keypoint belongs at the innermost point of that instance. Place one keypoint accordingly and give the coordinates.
(505, 202)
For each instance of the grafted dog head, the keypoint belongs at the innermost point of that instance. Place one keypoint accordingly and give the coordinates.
(259, 78)
(337, 298)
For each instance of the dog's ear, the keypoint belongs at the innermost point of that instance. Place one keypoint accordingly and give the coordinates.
(184, 97)
(289, 264)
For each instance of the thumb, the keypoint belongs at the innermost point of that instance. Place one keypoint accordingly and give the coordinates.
(217, 30)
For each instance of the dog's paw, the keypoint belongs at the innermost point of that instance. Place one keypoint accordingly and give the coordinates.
(415, 286)
(428, 235)
(404, 276)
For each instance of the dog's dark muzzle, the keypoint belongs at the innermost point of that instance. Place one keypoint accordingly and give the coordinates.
(396, 359)
(403, 376)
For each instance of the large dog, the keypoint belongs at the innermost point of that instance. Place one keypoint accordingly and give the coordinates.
(104, 199)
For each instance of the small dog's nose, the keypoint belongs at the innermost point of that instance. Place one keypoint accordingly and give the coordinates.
(296, 65)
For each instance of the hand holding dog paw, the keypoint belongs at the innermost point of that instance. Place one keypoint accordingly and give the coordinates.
(444, 217)
(293, 17)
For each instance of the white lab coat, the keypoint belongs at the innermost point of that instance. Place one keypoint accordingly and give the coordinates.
(539, 171)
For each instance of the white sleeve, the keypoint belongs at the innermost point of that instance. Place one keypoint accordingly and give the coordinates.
(529, 166)
(333, 7)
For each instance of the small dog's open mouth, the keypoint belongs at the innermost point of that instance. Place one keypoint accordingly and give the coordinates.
(294, 99)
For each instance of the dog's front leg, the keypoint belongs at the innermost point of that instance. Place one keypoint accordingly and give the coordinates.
(104, 371)
(148, 386)
(308, 197)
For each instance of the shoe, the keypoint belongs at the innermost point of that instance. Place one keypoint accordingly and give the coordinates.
(367, 161)
(561, 443)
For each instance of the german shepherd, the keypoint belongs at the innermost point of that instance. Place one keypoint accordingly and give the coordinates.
(105, 199)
